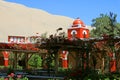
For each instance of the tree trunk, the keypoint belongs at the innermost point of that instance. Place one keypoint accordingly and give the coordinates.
(103, 65)
(56, 62)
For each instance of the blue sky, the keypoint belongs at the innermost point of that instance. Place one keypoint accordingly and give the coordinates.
(86, 10)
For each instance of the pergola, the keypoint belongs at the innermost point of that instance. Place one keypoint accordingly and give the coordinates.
(28, 49)
(81, 47)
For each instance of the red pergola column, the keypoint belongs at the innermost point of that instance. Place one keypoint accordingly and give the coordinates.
(64, 56)
(6, 59)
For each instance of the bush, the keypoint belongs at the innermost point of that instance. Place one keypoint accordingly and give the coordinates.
(89, 74)
(35, 61)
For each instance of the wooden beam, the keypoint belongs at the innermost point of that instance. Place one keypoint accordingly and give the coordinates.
(56, 62)
(15, 61)
(24, 51)
(26, 61)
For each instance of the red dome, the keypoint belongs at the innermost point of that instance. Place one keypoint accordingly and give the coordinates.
(77, 22)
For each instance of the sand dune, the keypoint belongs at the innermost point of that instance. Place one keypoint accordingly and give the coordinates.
(19, 20)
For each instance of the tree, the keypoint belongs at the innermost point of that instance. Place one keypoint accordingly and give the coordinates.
(105, 25)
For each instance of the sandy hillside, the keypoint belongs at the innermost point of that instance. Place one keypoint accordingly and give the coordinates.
(16, 19)
(19, 20)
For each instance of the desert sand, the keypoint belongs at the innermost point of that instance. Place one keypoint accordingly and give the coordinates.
(20, 20)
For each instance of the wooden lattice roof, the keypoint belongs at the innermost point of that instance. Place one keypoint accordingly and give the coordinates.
(57, 43)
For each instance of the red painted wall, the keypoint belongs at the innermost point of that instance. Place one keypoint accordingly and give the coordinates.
(80, 32)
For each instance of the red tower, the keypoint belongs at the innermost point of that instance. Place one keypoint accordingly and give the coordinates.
(78, 30)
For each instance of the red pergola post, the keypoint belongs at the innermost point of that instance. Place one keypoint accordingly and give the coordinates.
(6, 59)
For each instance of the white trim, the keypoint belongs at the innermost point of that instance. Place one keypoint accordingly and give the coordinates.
(84, 31)
(5, 58)
(78, 27)
(73, 31)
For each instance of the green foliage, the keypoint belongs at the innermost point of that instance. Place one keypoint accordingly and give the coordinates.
(49, 61)
(10, 70)
(105, 25)
(35, 61)
(2, 78)
(90, 75)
